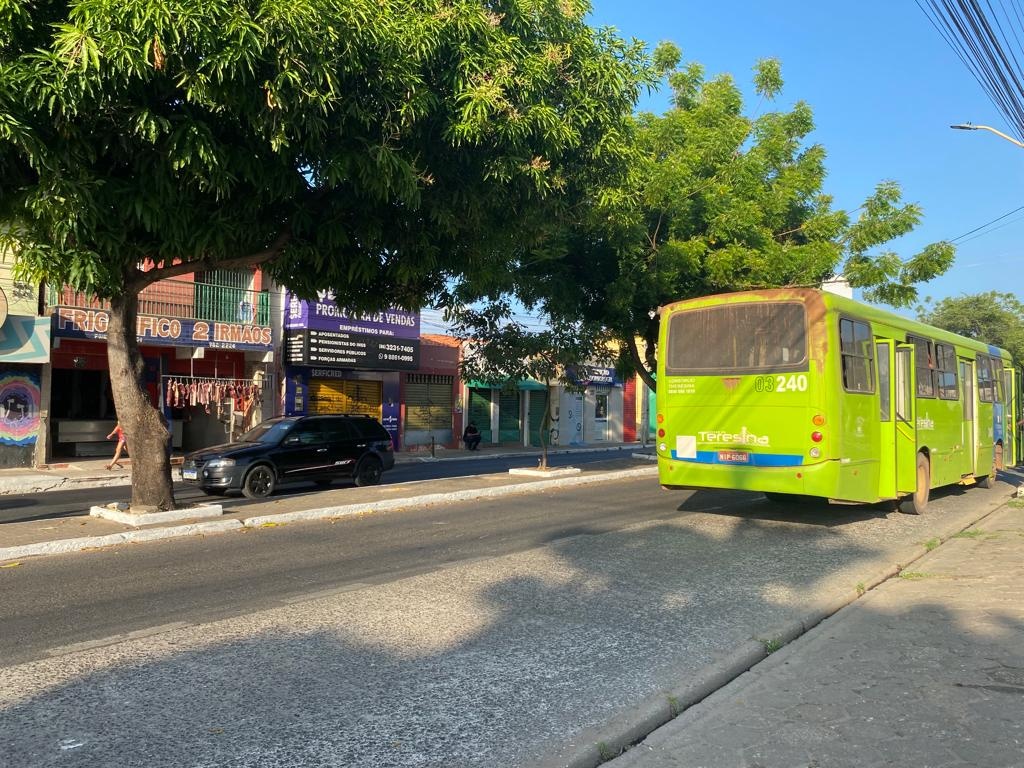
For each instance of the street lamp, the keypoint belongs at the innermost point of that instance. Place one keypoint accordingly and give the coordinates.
(972, 127)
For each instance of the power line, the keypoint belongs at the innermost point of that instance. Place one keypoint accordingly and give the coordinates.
(988, 44)
(987, 224)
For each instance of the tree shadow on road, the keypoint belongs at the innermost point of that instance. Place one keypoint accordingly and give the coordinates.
(481, 663)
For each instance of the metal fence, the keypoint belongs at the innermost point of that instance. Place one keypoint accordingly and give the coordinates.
(184, 299)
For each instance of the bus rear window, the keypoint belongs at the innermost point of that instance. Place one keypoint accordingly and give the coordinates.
(737, 338)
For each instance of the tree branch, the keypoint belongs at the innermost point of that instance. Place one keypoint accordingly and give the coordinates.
(200, 265)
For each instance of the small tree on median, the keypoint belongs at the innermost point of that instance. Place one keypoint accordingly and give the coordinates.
(507, 352)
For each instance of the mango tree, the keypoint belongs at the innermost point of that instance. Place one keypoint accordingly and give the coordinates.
(378, 148)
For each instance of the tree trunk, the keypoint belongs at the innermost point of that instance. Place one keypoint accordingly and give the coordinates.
(545, 426)
(638, 363)
(144, 426)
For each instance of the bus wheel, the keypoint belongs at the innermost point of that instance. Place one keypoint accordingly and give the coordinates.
(918, 503)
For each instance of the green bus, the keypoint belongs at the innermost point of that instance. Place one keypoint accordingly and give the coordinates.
(798, 392)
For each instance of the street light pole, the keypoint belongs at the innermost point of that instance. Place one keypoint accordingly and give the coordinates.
(972, 127)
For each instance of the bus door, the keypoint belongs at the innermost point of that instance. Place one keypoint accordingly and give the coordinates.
(1008, 458)
(884, 352)
(904, 391)
(968, 429)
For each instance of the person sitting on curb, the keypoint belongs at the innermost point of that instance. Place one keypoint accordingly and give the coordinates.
(471, 436)
(121, 445)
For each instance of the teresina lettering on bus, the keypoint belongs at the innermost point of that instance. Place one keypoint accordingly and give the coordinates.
(742, 437)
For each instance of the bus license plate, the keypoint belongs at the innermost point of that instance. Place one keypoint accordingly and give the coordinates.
(734, 457)
(188, 474)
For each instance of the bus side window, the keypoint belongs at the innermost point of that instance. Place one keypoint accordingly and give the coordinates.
(924, 362)
(986, 384)
(946, 373)
(855, 351)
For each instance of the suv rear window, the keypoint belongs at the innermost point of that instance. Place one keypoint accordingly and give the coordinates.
(737, 338)
(370, 429)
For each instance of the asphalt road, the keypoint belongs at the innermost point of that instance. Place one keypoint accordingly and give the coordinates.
(472, 635)
(56, 504)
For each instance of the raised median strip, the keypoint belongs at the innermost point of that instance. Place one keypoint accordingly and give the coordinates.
(64, 546)
(389, 505)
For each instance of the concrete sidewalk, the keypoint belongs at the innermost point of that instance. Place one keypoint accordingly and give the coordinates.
(47, 535)
(927, 669)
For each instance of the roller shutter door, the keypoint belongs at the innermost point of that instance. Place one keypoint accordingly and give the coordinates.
(349, 396)
(428, 402)
(509, 426)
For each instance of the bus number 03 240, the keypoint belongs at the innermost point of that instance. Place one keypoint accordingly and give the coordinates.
(794, 383)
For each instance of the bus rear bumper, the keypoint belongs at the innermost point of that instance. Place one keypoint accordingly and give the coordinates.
(822, 479)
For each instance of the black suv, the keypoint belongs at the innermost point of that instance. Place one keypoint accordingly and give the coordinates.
(291, 449)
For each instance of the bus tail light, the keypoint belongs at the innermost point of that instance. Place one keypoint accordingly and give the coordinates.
(817, 437)
(815, 453)
(661, 418)
(661, 433)
(818, 420)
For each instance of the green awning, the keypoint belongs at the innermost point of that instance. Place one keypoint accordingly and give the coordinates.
(531, 384)
(524, 384)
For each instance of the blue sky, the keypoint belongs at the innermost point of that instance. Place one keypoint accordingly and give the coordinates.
(884, 88)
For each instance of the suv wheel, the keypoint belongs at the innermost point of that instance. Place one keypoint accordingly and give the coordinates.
(369, 471)
(259, 483)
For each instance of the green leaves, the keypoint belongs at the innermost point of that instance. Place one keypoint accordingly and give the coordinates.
(716, 200)
(992, 317)
(378, 147)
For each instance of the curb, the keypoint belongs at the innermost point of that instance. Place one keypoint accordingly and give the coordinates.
(43, 484)
(536, 452)
(64, 546)
(390, 505)
(614, 739)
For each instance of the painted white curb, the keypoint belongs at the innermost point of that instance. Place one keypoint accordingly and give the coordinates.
(390, 505)
(42, 483)
(63, 546)
(553, 472)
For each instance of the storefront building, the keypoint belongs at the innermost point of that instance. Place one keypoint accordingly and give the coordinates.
(508, 415)
(432, 409)
(24, 359)
(207, 342)
(340, 362)
(597, 413)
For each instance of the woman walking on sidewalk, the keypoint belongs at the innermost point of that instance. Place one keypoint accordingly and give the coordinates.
(121, 445)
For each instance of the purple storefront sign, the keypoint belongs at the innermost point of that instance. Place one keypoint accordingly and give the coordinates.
(323, 314)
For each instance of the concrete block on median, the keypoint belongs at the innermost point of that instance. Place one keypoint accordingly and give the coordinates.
(121, 513)
(552, 472)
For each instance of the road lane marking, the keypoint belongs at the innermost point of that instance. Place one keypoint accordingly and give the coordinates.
(86, 645)
(353, 587)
